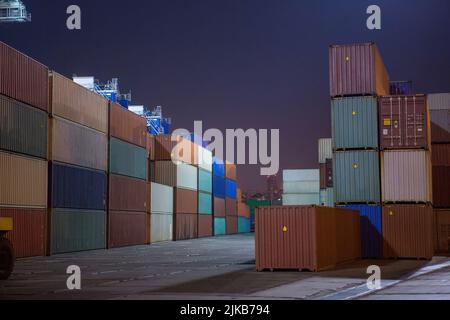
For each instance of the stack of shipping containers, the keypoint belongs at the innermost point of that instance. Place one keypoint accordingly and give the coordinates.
(219, 196)
(205, 190)
(301, 187)
(129, 195)
(439, 105)
(326, 172)
(244, 223)
(23, 150)
(230, 198)
(357, 77)
(78, 154)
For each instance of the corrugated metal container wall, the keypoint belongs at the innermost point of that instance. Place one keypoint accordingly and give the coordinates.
(301, 187)
(231, 207)
(441, 155)
(230, 189)
(127, 126)
(355, 123)
(406, 176)
(23, 78)
(164, 172)
(205, 181)
(181, 175)
(161, 227)
(29, 233)
(205, 159)
(325, 150)
(232, 225)
(185, 226)
(408, 231)
(77, 188)
(357, 69)
(243, 225)
(301, 175)
(442, 218)
(219, 187)
(151, 147)
(78, 104)
(301, 199)
(323, 177)
(205, 226)
(185, 201)
(77, 230)
(439, 101)
(440, 126)
(220, 226)
(404, 122)
(187, 177)
(357, 177)
(127, 229)
(219, 207)
(128, 194)
(441, 186)
(218, 168)
(23, 181)
(161, 198)
(23, 129)
(231, 171)
(205, 203)
(127, 159)
(371, 230)
(327, 197)
(178, 150)
(243, 210)
(75, 144)
(306, 237)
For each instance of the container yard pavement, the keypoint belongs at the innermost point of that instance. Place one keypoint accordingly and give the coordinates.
(213, 268)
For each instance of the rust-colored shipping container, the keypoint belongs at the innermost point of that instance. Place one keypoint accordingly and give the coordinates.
(128, 194)
(441, 186)
(29, 233)
(205, 226)
(306, 237)
(404, 122)
(151, 147)
(127, 126)
(23, 78)
(442, 231)
(408, 231)
(243, 210)
(185, 226)
(231, 207)
(185, 201)
(357, 69)
(179, 150)
(73, 102)
(232, 225)
(438, 133)
(231, 171)
(441, 155)
(128, 229)
(238, 195)
(323, 176)
(219, 207)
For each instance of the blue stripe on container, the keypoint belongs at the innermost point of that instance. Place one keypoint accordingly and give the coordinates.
(219, 187)
(230, 189)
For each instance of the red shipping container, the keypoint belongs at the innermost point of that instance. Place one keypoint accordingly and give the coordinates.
(128, 194)
(128, 229)
(231, 207)
(185, 201)
(442, 231)
(441, 155)
(165, 150)
(232, 225)
(23, 78)
(441, 187)
(243, 210)
(439, 134)
(205, 226)
(219, 207)
(185, 226)
(404, 122)
(127, 126)
(151, 147)
(29, 235)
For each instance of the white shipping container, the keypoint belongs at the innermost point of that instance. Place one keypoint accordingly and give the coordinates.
(205, 159)
(439, 101)
(301, 175)
(325, 150)
(161, 227)
(161, 199)
(327, 197)
(290, 187)
(187, 176)
(301, 199)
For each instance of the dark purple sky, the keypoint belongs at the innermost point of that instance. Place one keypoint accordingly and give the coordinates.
(237, 63)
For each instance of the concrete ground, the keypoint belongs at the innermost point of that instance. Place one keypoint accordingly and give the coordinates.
(215, 268)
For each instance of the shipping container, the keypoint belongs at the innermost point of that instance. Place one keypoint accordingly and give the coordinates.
(127, 159)
(404, 122)
(179, 175)
(406, 176)
(371, 230)
(218, 167)
(239, 195)
(440, 126)
(301, 187)
(230, 189)
(253, 204)
(298, 199)
(23, 181)
(231, 207)
(23, 129)
(301, 175)
(219, 187)
(230, 171)
(128, 194)
(74, 144)
(185, 201)
(127, 228)
(306, 237)
(29, 235)
(439, 101)
(357, 177)
(23, 78)
(220, 226)
(232, 225)
(76, 188)
(175, 148)
(441, 186)
(205, 159)
(205, 181)
(441, 155)
(185, 226)
(327, 197)
(73, 102)
(219, 207)
(205, 226)
(400, 88)
(355, 123)
(205, 203)
(77, 230)
(161, 227)
(329, 173)
(408, 231)
(243, 225)
(325, 150)
(127, 126)
(161, 199)
(323, 178)
(442, 231)
(357, 69)
(243, 210)
(151, 147)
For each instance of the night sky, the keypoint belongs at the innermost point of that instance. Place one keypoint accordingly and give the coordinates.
(237, 63)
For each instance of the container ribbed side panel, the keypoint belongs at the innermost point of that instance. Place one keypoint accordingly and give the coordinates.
(127, 159)
(127, 229)
(439, 101)
(220, 226)
(325, 150)
(127, 126)
(161, 227)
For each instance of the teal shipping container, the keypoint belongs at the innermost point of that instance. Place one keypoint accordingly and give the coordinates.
(357, 177)
(205, 203)
(77, 230)
(205, 181)
(127, 159)
(23, 129)
(220, 226)
(355, 123)
(244, 225)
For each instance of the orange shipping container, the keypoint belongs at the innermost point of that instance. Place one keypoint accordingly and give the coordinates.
(306, 237)
(238, 195)
(186, 201)
(231, 171)
(243, 210)
(127, 125)
(219, 207)
(185, 150)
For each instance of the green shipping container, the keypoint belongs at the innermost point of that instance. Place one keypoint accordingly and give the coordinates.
(127, 159)
(220, 226)
(205, 181)
(357, 177)
(205, 203)
(23, 129)
(355, 123)
(252, 204)
(77, 230)
(244, 225)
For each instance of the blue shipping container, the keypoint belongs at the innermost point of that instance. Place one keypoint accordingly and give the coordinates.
(231, 189)
(218, 167)
(219, 187)
(73, 187)
(371, 230)
(220, 226)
